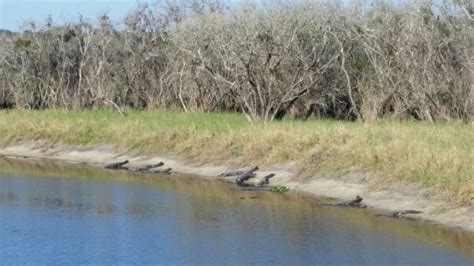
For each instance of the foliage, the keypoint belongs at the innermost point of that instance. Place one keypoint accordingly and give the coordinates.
(265, 60)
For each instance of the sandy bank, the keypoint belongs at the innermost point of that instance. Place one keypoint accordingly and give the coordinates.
(392, 197)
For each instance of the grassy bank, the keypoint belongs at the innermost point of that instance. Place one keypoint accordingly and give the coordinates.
(439, 155)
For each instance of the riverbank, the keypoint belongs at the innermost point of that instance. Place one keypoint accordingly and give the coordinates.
(393, 165)
(398, 196)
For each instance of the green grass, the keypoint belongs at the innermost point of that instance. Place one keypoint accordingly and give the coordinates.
(439, 155)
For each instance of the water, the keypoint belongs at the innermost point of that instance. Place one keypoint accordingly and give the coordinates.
(73, 215)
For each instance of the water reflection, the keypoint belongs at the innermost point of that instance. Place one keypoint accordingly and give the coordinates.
(70, 214)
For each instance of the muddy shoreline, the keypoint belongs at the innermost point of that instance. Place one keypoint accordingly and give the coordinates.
(393, 197)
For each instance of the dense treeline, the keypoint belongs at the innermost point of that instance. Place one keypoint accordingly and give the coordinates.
(346, 61)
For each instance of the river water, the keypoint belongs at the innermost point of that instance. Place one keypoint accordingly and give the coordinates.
(57, 214)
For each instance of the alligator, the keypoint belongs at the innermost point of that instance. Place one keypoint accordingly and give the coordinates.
(147, 167)
(117, 166)
(159, 171)
(265, 180)
(260, 185)
(399, 214)
(352, 203)
(277, 189)
(356, 203)
(245, 176)
(237, 172)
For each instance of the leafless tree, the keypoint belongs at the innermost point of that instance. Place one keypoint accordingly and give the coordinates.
(346, 60)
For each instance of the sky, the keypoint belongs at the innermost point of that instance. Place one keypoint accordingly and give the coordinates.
(13, 13)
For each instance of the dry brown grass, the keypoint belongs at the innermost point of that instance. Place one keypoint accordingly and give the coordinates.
(439, 155)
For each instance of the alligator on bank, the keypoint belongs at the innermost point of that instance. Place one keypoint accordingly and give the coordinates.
(117, 165)
(261, 185)
(353, 203)
(148, 168)
(399, 214)
(356, 203)
(159, 171)
(237, 172)
(241, 179)
(244, 175)
(265, 180)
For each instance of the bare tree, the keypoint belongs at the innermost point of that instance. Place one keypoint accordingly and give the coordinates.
(267, 60)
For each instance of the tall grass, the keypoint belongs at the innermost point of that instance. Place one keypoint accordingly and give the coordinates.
(439, 155)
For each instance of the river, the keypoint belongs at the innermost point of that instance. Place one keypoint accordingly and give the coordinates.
(62, 214)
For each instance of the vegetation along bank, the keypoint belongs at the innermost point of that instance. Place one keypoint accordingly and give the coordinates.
(439, 155)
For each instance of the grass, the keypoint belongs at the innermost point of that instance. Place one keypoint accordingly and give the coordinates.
(439, 155)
